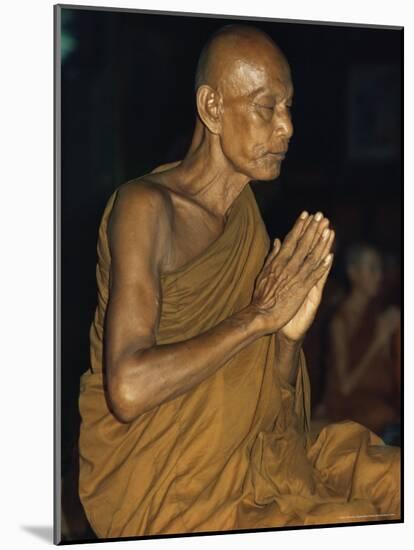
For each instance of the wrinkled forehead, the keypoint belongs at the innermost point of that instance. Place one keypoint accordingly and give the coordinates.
(246, 76)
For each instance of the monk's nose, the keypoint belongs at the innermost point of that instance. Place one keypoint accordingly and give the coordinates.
(284, 127)
(281, 135)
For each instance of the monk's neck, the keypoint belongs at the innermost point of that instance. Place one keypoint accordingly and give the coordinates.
(207, 176)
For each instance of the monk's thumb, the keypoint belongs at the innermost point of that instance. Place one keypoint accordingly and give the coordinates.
(273, 252)
(276, 246)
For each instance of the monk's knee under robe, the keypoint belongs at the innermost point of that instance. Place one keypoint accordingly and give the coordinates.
(234, 452)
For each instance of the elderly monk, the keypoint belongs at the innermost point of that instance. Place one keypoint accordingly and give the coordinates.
(195, 411)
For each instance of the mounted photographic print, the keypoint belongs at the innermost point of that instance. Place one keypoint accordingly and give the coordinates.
(228, 274)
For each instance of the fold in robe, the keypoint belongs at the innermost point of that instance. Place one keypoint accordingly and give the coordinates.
(235, 451)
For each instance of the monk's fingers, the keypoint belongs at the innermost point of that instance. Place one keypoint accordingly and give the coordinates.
(291, 239)
(323, 224)
(273, 253)
(321, 249)
(320, 284)
(316, 291)
(305, 225)
(328, 244)
(303, 247)
(313, 232)
(266, 278)
(277, 246)
(313, 277)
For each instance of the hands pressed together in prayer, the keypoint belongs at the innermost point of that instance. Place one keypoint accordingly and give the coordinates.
(289, 287)
(142, 373)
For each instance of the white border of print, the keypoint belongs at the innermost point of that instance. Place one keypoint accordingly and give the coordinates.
(26, 230)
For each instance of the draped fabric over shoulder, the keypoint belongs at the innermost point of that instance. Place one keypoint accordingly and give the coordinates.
(235, 452)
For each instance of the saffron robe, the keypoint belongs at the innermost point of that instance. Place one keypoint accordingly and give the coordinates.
(235, 452)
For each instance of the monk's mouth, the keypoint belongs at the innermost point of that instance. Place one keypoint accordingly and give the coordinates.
(279, 156)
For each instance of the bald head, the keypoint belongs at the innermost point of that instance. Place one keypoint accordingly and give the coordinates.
(233, 51)
(244, 93)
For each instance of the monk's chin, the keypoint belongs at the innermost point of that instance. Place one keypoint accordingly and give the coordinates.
(267, 174)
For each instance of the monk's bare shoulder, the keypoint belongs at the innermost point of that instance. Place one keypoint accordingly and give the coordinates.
(144, 193)
(142, 216)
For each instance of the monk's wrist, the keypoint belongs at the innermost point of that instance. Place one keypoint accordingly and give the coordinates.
(288, 353)
(247, 320)
(258, 321)
(289, 343)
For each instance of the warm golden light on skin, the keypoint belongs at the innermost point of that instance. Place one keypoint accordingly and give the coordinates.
(258, 95)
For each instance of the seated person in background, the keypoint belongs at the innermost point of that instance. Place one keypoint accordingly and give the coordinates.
(362, 383)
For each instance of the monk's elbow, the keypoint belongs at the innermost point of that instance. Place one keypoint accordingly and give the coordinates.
(125, 405)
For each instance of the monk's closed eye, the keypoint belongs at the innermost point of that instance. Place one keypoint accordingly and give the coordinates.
(265, 107)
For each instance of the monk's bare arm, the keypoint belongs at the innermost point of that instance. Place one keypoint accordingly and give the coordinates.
(143, 375)
(287, 357)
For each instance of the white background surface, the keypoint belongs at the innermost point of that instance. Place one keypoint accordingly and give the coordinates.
(26, 272)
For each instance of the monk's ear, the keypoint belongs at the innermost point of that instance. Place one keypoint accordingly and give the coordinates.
(209, 107)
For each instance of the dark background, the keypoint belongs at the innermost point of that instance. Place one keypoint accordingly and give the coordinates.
(128, 106)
